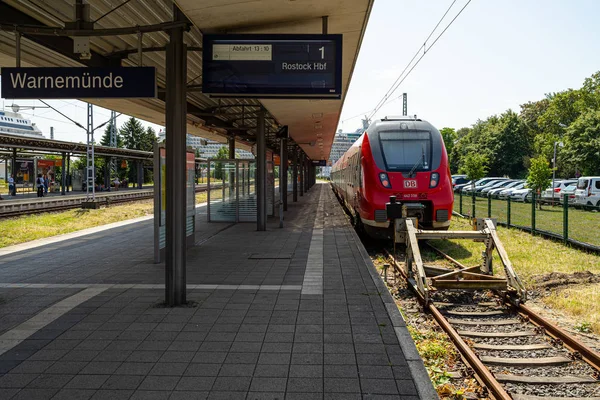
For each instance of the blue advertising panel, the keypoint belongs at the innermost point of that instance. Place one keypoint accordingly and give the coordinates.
(267, 66)
(78, 82)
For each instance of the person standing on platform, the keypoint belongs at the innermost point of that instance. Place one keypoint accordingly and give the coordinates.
(12, 189)
(117, 183)
(39, 182)
(46, 184)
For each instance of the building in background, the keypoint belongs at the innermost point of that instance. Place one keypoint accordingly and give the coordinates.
(341, 143)
(207, 148)
(15, 124)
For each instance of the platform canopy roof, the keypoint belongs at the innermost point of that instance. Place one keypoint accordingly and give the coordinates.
(208, 117)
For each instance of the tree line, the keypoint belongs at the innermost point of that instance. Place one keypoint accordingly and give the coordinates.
(506, 144)
(131, 135)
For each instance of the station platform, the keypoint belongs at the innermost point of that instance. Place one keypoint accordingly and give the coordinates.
(292, 313)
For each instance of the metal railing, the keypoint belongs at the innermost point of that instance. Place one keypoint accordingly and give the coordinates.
(573, 224)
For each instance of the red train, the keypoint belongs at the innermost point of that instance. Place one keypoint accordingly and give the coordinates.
(403, 157)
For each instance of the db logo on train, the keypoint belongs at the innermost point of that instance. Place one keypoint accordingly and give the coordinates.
(410, 184)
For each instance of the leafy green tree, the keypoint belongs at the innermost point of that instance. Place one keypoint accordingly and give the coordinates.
(222, 154)
(474, 166)
(582, 144)
(105, 140)
(449, 136)
(133, 134)
(540, 175)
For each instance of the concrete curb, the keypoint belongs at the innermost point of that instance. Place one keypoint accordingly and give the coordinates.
(417, 369)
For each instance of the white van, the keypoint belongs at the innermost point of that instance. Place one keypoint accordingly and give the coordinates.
(588, 191)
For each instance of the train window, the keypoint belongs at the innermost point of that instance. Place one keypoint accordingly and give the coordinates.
(403, 151)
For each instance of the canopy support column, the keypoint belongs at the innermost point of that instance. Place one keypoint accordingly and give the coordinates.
(176, 109)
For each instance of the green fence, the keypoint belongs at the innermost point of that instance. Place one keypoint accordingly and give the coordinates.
(577, 225)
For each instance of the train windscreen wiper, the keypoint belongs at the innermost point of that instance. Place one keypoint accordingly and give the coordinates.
(418, 164)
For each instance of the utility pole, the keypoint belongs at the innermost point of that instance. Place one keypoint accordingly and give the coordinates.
(404, 104)
(113, 143)
(90, 171)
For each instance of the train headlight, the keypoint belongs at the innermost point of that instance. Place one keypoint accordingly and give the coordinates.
(383, 178)
(435, 179)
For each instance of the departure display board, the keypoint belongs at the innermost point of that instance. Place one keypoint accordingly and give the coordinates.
(272, 66)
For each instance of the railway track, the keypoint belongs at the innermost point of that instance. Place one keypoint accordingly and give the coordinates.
(71, 202)
(514, 353)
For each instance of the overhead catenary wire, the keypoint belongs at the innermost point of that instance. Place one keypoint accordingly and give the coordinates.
(390, 90)
(386, 98)
(425, 51)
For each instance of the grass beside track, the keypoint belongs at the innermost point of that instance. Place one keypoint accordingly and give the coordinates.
(582, 302)
(583, 225)
(37, 226)
(531, 257)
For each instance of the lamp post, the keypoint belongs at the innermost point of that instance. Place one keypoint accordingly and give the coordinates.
(561, 144)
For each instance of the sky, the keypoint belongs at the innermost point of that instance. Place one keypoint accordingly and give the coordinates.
(497, 55)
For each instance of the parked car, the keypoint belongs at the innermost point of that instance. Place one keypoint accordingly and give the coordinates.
(500, 184)
(459, 187)
(523, 195)
(555, 192)
(480, 184)
(495, 192)
(459, 180)
(505, 193)
(588, 191)
(569, 191)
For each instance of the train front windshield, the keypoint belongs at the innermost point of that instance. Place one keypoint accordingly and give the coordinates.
(406, 150)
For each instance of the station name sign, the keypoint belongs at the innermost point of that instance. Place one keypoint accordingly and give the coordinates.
(78, 82)
(319, 163)
(272, 66)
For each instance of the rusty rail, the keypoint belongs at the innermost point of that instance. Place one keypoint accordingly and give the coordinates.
(589, 355)
(486, 378)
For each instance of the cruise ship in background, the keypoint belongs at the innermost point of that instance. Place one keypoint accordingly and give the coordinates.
(15, 124)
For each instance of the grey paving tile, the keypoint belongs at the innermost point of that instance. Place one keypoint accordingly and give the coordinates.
(103, 394)
(31, 367)
(265, 396)
(123, 382)
(209, 357)
(378, 386)
(268, 384)
(304, 396)
(340, 371)
(270, 371)
(159, 383)
(242, 358)
(188, 395)
(177, 356)
(87, 382)
(342, 385)
(196, 383)
(101, 367)
(35, 394)
(169, 368)
(198, 369)
(150, 395)
(274, 358)
(134, 368)
(226, 395)
(233, 384)
(237, 370)
(306, 371)
(16, 380)
(406, 387)
(74, 394)
(50, 381)
(305, 385)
